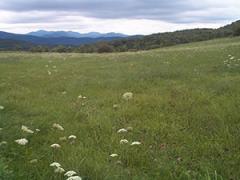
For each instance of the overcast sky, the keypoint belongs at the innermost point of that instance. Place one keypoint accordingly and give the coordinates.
(124, 16)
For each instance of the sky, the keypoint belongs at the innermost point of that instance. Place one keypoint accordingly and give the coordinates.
(122, 16)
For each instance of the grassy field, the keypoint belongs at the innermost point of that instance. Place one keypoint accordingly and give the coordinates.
(184, 111)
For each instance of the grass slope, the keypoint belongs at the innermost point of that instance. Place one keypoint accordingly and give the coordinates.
(185, 112)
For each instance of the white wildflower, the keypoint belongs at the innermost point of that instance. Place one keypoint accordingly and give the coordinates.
(37, 130)
(1, 107)
(135, 143)
(33, 161)
(55, 146)
(64, 92)
(49, 73)
(3, 143)
(122, 130)
(80, 97)
(26, 129)
(63, 138)
(127, 96)
(58, 126)
(74, 178)
(59, 170)
(129, 128)
(115, 106)
(1, 129)
(22, 141)
(70, 173)
(123, 141)
(72, 137)
(55, 164)
(114, 155)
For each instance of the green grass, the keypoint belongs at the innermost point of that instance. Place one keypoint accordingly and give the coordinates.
(185, 112)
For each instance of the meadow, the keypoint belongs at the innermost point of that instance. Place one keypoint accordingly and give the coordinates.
(184, 113)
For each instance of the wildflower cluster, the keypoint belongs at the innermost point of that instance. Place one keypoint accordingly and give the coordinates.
(50, 70)
(71, 175)
(125, 141)
(231, 61)
(57, 167)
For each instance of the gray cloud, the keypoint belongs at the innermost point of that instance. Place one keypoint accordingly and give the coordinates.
(176, 11)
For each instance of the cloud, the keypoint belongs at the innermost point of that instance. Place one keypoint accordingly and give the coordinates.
(61, 21)
(126, 16)
(165, 10)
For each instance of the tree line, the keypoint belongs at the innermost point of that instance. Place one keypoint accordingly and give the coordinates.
(147, 42)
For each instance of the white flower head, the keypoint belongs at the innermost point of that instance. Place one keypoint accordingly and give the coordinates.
(115, 106)
(122, 130)
(37, 130)
(58, 126)
(74, 178)
(123, 141)
(59, 170)
(80, 97)
(1, 107)
(33, 161)
(70, 173)
(3, 143)
(127, 96)
(1, 129)
(55, 164)
(114, 155)
(49, 73)
(63, 138)
(64, 92)
(55, 146)
(72, 137)
(135, 143)
(22, 141)
(26, 129)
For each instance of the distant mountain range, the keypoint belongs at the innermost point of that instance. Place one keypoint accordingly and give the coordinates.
(58, 38)
(71, 34)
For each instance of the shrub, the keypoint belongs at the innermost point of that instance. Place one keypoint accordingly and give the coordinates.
(104, 48)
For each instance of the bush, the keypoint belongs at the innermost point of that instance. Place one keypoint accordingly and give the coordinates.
(104, 48)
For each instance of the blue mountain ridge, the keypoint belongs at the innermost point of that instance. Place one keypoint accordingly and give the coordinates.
(72, 34)
(36, 40)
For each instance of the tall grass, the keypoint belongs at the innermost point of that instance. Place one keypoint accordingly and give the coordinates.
(184, 111)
